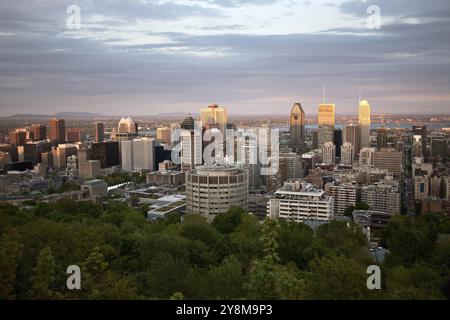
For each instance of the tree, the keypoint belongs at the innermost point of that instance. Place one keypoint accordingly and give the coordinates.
(227, 280)
(337, 278)
(42, 282)
(228, 222)
(269, 280)
(10, 255)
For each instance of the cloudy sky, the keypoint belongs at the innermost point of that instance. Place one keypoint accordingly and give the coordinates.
(144, 57)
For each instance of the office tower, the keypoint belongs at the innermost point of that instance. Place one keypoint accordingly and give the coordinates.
(382, 197)
(417, 147)
(17, 137)
(90, 169)
(61, 153)
(99, 132)
(299, 201)
(352, 135)
(107, 153)
(47, 159)
(382, 137)
(11, 150)
(421, 187)
(127, 125)
(344, 194)
(325, 124)
(366, 157)
(364, 123)
(315, 139)
(297, 125)
(329, 153)
(74, 135)
(438, 146)
(421, 130)
(191, 145)
(28, 152)
(389, 159)
(291, 166)
(214, 189)
(138, 154)
(163, 135)
(5, 158)
(347, 154)
(214, 117)
(39, 132)
(57, 131)
(337, 140)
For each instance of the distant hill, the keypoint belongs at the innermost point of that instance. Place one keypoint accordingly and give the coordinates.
(62, 115)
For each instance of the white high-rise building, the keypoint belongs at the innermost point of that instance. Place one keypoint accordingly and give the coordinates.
(138, 154)
(364, 123)
(329, 153)
(191, 149)
(299, 201)
(366, 157)
(347, 154)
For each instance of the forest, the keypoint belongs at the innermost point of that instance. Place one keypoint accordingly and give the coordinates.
(121, 255)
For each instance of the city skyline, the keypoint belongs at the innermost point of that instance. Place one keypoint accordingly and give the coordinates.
(252, 57)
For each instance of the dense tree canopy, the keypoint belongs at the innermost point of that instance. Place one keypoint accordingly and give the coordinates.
(123, 256)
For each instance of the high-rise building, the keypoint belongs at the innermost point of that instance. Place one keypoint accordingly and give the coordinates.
(417, 150)
(138, 154)
(389, 159)
(297, 125)
(299, 201)
(127, 125)
(106, 152)
(347, 154)
(99, 132)
(214, 116)
(352, 135)
(28, 152)
(57, 131)
(382, 197)
(366, 157)
(90, 169)
(74, 135)
(61, 153)
(329, 153)
(214, 189)
(421, 130)
(163, 135)
(39, 132)
(364, 123)
(325, 122)
(17, 137)
(191, 145)
(337, 140)
(382, 137)
(421, 187)
(344, 194)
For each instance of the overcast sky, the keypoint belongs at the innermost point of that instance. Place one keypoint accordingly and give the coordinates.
(144, 57)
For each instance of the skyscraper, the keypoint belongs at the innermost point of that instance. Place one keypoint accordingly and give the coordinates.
(329, 153)
(421, 130)
(297, 124)
(191, 145)
(364, 123)
(39, 132)
(57, 131)
(347, 154)
(163, 135)
(214, 116)
(382, 137)
(325, 124)
(99, 132)
(352, 135)
(337, 140)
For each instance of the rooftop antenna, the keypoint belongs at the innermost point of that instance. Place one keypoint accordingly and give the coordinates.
(323, 94)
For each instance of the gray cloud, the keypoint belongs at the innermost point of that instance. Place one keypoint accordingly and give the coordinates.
(402, 67)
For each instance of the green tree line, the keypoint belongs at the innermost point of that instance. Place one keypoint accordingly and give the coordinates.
(123, 256)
